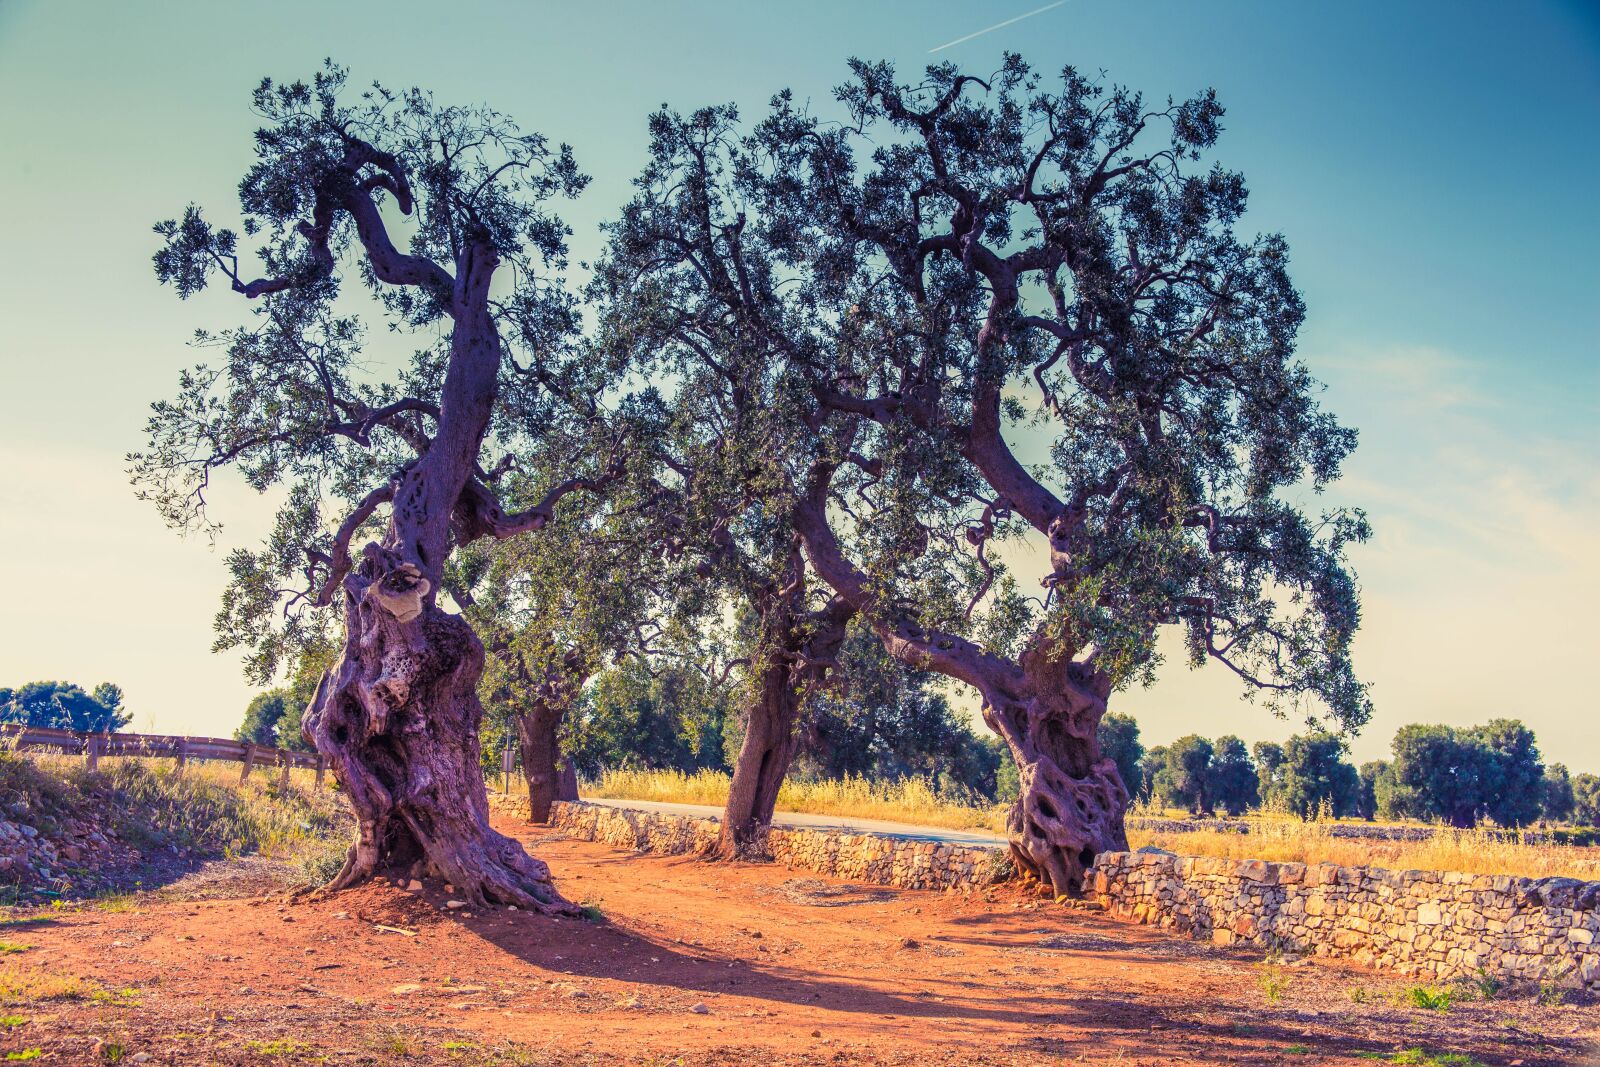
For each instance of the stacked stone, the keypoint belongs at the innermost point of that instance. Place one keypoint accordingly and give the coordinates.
(1441, 924)
(875, 858)
(885, 860)
(641, 831)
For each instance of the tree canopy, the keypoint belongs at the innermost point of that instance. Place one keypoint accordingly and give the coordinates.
(65, 706)
(964, 260)
(1463, 775)
(436, 221)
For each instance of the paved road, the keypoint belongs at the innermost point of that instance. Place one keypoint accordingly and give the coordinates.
(980, 838)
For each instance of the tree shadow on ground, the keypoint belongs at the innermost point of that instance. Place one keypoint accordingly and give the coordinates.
(1067, 1022)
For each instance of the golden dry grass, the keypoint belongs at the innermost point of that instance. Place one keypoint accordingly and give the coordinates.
(910, 800)
(1271, 837)
(1468, 851)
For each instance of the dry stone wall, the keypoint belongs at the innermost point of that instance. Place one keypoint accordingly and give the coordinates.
(874, 858)
(1439, 925)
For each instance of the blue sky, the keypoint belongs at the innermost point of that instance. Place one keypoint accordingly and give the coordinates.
(1432, 164)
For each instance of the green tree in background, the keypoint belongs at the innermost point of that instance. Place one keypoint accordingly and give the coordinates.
(885, 722)
(1233, 780)
(1556, 797)
(1432, 776)
(1269, 768)
(1461, 776)
(261, 718)
(1372, 773)
(1513, 772)
(65, 706)
(1184, 779)
(670, 717)
(1314, 778)
(1119, 742)
(1586, 799)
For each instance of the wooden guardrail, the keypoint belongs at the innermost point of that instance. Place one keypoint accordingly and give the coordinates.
(183, 749)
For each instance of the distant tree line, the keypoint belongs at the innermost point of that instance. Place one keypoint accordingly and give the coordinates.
(886, 722)
(1459, 776)
(65, 706)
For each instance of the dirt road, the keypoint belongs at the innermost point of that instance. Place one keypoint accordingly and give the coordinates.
(703, 964)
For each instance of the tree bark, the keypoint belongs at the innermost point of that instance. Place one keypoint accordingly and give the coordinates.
(398, 714)
(798, 649)
(550, 778)
(763, 762)
(1046, 706)
(398, 717)
(1072, 799)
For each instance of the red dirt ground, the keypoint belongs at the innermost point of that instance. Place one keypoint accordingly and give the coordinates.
(703, 964)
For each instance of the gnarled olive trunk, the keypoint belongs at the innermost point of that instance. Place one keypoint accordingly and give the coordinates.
(764, 758)
(798, 649)
(550, 778)
(398, 716)
(1073, 798)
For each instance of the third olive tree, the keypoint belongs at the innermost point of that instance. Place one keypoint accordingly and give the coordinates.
(1047, 321)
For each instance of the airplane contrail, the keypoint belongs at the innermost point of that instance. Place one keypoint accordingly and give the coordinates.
(996, 26)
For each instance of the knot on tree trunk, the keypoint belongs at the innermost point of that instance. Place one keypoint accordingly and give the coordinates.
(393, 584)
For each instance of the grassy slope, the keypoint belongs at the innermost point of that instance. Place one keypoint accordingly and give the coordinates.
(148, 806)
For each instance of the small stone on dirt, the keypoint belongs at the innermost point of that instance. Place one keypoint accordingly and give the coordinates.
(910, 942)
(700, 1009)
(414, 886)
(453, 904)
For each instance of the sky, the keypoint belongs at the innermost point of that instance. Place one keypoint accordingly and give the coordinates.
(1433, 166)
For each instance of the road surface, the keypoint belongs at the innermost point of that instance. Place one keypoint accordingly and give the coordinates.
(796, 820)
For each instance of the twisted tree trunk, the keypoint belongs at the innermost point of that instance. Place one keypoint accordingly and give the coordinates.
(798, 649)
(1072, 799)
(398, 715)
(764, 758)
(1045, 705)
(550, 778)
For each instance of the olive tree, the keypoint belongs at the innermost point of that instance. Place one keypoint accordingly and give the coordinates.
(434, 219)
(991, 264)
(690, 300)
